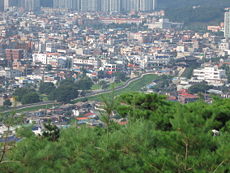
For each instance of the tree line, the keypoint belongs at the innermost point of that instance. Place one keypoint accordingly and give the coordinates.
(64, 92)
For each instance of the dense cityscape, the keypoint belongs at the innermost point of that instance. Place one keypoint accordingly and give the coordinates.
(110, 65)
(82, 5)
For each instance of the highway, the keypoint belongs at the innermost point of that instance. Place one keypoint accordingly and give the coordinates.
(127, 83)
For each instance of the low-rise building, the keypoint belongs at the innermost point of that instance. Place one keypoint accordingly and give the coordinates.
(212, 75)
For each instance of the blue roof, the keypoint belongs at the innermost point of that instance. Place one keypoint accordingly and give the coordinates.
(10, 139)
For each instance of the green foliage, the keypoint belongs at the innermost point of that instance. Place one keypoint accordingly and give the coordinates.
(190, 15)
(186, 3)
(208, 12)
(84, 84)
(104, 84)
(46, 87)
(52, 132)
(69, 81)
(64, 93)
(146, 106)
(160, 137)
(200, 88)
(31, 97)
(49, 67)
(7, 103)
(163, 82)
(19, 93)
(120, 77)
(188, 72)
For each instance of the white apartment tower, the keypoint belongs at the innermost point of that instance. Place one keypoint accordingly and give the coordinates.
(32, 5)
(227, 24)
(67, 4)
(115, 5)
(90, 5)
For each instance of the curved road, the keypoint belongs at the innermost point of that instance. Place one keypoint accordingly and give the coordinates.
(127, 83)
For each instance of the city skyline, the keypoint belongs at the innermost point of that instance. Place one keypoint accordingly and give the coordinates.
(85, 5)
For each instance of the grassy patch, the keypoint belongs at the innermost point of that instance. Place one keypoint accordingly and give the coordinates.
(34, 108)
(115, 85)
(133, 86)
(96, 87)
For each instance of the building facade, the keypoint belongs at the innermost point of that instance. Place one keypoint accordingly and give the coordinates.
(227, 24)
(212, 75)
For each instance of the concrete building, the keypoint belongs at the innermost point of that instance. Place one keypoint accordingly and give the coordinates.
(90, 5)
(227, 24)
(39, 57)
(67, 4)
(32, 5)
(1, 5)
(212, 75)
(105, 5)
(14, 54)
(147, 5)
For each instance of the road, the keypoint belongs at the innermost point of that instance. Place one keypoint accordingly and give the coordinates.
(127, 83)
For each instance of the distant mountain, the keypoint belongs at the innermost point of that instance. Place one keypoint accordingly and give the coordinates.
(164, 4)
(195, 14)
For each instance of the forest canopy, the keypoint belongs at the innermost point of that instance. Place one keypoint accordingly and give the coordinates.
(160, 136)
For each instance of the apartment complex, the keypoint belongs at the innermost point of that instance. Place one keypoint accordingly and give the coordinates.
(85, 5)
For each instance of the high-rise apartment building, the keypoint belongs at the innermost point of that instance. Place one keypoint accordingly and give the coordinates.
(133, 5)
(138, 5)
(105, 5)
(147, 5)
(115, 5)
(1, 5)
(227, 24)
(32, 5)
(67, 4)
(6, 4)
(111, 5)
(90, 5)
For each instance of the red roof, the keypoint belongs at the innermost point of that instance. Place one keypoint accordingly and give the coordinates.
(123, 122)
(82, 118)
(187, 95)
(183, 91)
(89, 114)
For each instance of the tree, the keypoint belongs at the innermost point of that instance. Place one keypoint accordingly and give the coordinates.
(7, 103)
(64, 94)
(31, 97)
(120, 77)
(104, 84)
(49, 67)
(199, 88)
(140, 146)
(46, 87)
(84, 84)
(8, 120)
(19, 93)
(51, 132)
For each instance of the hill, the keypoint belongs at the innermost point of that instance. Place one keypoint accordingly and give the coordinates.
(165, 4)
(196, 14)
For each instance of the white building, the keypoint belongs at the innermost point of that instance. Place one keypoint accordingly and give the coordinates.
(212, 75)
(90, 62)
(227, 24)
(164, 24)
(39, 57)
